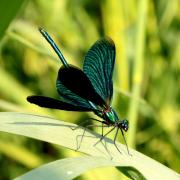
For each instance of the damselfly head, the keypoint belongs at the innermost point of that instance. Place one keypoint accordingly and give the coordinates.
(124, 124)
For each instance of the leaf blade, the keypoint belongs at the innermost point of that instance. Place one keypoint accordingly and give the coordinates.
(59, 132)
(7, 13)
(67, 168)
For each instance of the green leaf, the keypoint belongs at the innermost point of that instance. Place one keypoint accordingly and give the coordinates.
(70, 168)
(8, 10)
(59, 132)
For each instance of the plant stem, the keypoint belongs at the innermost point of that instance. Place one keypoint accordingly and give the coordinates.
(138, 70)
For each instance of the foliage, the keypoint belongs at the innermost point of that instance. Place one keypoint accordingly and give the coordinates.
(146, 78)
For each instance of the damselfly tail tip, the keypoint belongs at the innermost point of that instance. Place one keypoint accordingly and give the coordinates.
(41, 29)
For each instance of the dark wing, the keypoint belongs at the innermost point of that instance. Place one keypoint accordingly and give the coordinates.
(70, 97)
(48, 102)
(98, 66)
(77, 82)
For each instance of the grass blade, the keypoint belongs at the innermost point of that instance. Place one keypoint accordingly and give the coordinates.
(70, 168)
(59, 132)
(7, 12)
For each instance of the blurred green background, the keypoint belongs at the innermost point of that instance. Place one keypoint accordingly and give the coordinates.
(146, 77)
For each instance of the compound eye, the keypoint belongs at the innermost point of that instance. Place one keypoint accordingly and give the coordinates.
(125, 125)
(125, 128)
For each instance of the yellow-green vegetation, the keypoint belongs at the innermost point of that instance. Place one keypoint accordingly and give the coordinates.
(146, 79)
